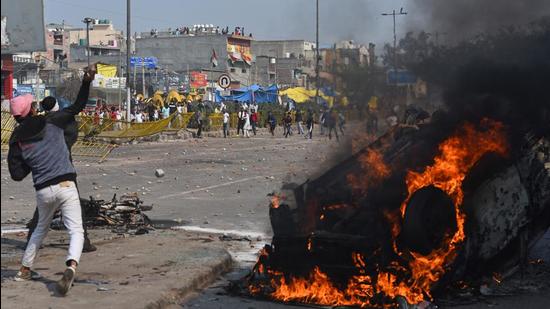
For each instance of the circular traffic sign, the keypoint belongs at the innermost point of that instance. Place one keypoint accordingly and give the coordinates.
(224, 81)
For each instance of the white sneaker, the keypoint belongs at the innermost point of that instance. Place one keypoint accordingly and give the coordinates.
(66, 282)
(26, 276)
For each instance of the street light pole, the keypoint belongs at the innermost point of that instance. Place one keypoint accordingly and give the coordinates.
(128, 47)
(401, 12)
(87, 21)
(317, 53)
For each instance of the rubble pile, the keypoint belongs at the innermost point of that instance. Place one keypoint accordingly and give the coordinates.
(122, 214)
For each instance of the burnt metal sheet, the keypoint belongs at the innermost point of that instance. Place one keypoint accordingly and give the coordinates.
(501, 205)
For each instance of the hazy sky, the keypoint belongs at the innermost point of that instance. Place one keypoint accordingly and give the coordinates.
(359, 20)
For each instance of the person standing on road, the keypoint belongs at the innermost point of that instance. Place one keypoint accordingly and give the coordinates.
(151, 111)
(139, 117)
(165, 111)
(341, 122)
(179, 117)
(330, 120)
(272, 121)
(309, 123)
(240, 123)
(247, 126)
(254, 120)
(288, 124)
(323, 121)
(299, 121)
(225, 123)
(38, 146)
(198, 118)
(372, 121)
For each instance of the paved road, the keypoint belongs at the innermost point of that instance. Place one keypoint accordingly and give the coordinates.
(211, 183)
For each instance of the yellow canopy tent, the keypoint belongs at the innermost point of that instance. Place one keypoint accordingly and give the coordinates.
(301, 95)
(173, 94)
(157, 99)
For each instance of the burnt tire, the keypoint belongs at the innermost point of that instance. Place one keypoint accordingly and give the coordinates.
(429, 218)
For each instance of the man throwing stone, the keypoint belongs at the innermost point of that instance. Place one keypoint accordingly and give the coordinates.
(38, 146)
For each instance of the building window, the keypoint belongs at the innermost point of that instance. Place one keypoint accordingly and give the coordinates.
(243, 71)
(57, 55)
(232, 70)
(58, 39)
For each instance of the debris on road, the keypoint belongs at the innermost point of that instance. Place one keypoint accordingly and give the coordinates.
(124, 213)
(159, 173)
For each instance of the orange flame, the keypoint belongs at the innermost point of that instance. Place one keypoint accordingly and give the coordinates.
(275, 201)
(373, 171)
(317, 288)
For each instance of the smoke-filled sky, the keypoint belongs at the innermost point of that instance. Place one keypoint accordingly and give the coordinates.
(358, 20)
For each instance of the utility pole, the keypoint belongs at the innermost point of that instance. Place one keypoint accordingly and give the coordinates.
(87, 21)
(143, 77)
(317, 53)
(401, 12)
(128, 48)
(119, 39)
(37, 80)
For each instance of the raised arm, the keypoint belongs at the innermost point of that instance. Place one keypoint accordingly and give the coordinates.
(66, 115)
(83, 94)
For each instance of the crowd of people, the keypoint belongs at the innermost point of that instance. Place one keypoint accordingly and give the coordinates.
(248, 121)
(200, 29)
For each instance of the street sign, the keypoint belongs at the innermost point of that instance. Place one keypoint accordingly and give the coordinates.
(400, 78)
(148, 62)
(224, 81)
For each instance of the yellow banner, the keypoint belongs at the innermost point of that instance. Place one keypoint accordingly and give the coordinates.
(107, 70)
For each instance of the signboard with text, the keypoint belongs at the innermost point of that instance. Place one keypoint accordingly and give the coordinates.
(198, 80)
(400, 78)
(147, 62)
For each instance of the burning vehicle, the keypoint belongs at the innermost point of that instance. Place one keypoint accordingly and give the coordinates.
(420, 210)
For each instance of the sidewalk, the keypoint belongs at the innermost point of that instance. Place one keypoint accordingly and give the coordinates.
(145, 271)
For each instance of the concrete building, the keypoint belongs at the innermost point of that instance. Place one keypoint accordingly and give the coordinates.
(283, 48)
(102, 33)
(187, 53)
(346, 53)
(290, 63)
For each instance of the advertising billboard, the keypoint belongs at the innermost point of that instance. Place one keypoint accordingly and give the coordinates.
(198, 80)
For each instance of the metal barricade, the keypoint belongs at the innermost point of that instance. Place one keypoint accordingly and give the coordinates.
(82, 149)
(8, 125)
(92, 150)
